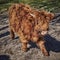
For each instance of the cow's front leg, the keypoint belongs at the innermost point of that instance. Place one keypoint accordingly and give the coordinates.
(41, 44)
(23, 40)
(24, 47)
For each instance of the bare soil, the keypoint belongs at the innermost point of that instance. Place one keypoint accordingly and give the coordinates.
(10, 49)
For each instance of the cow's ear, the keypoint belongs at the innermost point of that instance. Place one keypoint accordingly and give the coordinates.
(50, 15)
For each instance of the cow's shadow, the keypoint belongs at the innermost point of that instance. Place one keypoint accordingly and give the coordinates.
(4, 57)
(52, 44)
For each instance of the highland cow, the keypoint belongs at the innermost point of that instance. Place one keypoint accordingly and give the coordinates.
(29, 24)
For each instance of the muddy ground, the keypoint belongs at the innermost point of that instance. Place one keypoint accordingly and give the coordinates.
(10, 49)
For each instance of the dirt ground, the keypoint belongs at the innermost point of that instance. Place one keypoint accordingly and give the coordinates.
(10, 49)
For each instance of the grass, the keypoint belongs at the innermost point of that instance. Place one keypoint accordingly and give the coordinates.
(4, 6)
(49, 5)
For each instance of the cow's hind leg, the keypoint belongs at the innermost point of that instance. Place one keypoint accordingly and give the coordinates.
(12, 34)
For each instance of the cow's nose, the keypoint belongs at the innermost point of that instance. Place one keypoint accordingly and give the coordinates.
(44, 32)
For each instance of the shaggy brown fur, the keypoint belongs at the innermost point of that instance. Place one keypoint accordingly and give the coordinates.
(29, 24)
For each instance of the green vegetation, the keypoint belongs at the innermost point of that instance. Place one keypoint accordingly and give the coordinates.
(49, 5)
